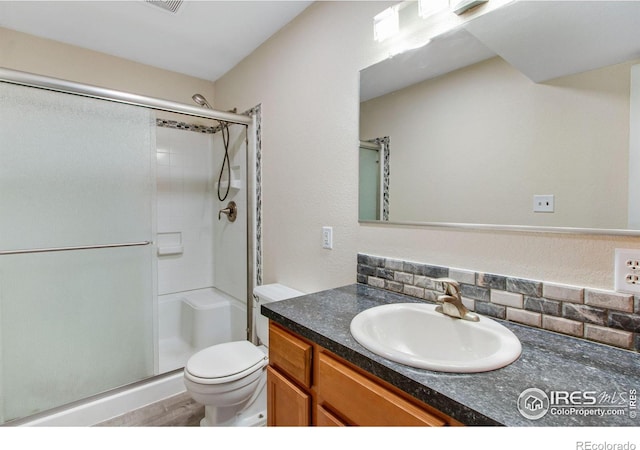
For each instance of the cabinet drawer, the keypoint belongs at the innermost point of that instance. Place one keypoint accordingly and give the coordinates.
(338, 385)
(290, 355)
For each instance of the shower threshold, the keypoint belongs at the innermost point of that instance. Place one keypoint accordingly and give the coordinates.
(110, 404)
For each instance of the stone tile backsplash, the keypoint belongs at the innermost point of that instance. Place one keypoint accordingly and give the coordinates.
(603, 316)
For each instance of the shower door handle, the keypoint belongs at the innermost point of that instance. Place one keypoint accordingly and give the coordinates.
(231, 211)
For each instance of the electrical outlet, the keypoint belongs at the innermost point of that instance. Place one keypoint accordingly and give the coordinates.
(327, 237)
(627, 271)
(543, 203)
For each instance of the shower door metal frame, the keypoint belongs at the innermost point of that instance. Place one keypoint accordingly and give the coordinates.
(87, 90)
(69, 87)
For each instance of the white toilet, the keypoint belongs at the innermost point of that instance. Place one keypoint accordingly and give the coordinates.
(230, 379)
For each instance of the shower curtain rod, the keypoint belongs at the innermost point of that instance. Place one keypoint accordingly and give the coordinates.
(70, 87)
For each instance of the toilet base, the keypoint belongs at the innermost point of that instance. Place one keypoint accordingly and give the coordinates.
(254, 415)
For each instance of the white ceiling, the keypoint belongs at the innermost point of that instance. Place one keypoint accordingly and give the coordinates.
(204, 39)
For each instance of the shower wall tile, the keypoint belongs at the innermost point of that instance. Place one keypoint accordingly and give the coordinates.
(184, 205)
(598, 315)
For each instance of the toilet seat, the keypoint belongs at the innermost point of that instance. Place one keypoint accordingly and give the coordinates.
(224, 363)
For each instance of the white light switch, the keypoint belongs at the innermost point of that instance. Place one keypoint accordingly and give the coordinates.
(327, 237)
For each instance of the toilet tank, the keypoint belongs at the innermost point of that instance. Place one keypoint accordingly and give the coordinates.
(268, 293)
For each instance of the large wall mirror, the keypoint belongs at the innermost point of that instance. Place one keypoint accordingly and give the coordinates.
(518, 118)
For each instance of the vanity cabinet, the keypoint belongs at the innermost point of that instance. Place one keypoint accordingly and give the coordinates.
(288, 379)
(308, 385)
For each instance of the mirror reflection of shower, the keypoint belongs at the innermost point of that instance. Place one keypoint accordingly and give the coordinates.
(224, 127)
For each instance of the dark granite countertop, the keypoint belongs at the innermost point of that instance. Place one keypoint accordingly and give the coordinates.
(549, 361)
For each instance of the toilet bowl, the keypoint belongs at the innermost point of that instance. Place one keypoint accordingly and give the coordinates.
(229, 379)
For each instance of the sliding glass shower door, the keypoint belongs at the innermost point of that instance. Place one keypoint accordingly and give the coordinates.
(76, 266)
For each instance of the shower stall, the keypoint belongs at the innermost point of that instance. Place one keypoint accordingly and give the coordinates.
(111, 245)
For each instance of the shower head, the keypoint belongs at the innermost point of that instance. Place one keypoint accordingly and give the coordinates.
(200, 100)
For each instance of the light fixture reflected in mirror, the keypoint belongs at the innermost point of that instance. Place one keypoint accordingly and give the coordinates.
(463, 6)
(386, 24)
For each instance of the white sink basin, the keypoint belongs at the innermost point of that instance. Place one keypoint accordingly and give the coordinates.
(416, 335)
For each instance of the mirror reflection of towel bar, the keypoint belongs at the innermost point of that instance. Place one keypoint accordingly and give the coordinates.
(64, 249)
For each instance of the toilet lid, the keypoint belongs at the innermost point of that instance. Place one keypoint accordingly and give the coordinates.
(225, 360)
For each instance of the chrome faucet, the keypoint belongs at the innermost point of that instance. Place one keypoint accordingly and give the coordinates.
(452, 301)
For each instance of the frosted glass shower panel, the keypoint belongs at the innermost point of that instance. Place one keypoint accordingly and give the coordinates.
(74, 171)
(73, 324)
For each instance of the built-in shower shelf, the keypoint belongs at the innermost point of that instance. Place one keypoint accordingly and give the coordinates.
(170, 243)
(235, 184)
(170, 250)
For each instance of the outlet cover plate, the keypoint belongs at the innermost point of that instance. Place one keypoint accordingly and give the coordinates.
(627, 271)
(543, 203)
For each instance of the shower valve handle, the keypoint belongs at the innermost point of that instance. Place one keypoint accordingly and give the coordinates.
(231, 211)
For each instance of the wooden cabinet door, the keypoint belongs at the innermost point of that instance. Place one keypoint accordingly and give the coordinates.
(288, 405)
(325, 419)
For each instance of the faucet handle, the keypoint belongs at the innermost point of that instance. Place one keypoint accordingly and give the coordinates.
(450, 286)
(452, 301)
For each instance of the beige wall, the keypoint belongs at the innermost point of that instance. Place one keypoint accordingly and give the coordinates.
(27, 53)
(475, 146)
(306, 78)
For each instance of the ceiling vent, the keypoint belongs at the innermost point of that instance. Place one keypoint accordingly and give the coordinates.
(168, 5)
